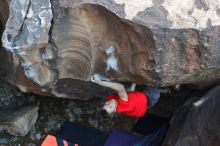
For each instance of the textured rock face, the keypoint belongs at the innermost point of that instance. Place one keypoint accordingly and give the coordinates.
(27, 31)
(59, 57)
(196, 124)
(161, 13)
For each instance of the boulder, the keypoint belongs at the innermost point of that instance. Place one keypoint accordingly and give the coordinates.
(196, 123)
(56, 46)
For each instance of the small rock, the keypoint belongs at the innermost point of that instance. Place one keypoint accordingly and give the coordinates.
(32, 133)
(94, 123)
(18, 122)
(3, 141)
(77, 111)
(14, 139)
(32, 99)
(72, 119)
(38, 136)
(72, 105)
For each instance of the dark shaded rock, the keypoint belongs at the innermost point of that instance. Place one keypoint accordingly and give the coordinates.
(196, 123)
(152, 16)
(218, 12)
(11, 97)
(201, 4)
(4, 8)
(18, 122)
(171, 102)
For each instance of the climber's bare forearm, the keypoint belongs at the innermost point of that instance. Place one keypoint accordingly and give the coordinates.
(115, 86)
(112, 85)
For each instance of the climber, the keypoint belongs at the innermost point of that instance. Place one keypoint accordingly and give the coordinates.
(131, 103)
